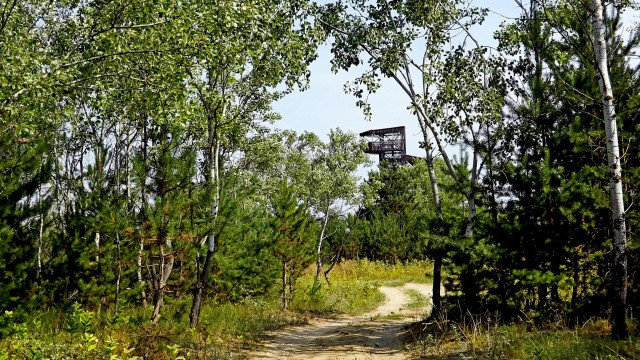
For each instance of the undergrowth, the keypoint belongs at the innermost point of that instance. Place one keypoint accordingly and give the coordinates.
(389, 274)
(127, 335)
(344, 296)
(74, 332)
(353, 286)
(416, 299)
(478, 337)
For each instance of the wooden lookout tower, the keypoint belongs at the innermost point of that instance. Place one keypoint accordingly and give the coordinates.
(390, 144)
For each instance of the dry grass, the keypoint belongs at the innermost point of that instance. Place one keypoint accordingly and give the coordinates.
(224, 330)
(483, 338)
(389, 274)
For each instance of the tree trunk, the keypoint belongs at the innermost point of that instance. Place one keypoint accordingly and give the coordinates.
(213, 154)
(543, 292)
(291, 281)
(194, 315)
(143, 211)
(437, 263)
(141, 282)
(471, 196)
(471, 218)
(334, 261)
(618, 295)
(319, 249)
(437, 280)
(434, 183)
(39, 254)
(574, 291)
(494, 200)
(166, 265)
(285, 302)
(119, 273)
(99, 154)
(96, 239)
(157, 304)
(118, 134)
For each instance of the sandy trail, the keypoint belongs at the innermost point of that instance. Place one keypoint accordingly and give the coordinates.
(369, 336)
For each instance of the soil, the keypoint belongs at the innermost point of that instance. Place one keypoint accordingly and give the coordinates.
(378, 334)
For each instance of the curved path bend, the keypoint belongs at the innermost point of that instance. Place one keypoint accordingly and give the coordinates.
(375, 335)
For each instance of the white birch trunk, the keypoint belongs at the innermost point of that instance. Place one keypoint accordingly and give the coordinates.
(471, 197)
(96, 240)
(619, 271)
(166, 265)
(39, 253)
(214, 174)
(320, 240)
(141, 281)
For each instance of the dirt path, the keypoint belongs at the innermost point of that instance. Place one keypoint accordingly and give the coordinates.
(369, 336)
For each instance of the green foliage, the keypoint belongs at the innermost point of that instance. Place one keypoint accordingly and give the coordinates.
(106, 110)
(484, 339)
(226, 328)
(245, 263)
(292, 233)
(78, 320)
(130, 131)
(291, 228)
(24, 170)
(398, 221)
(544, 251)
(417, 299)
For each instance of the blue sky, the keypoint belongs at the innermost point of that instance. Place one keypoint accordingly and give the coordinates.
(325, 106)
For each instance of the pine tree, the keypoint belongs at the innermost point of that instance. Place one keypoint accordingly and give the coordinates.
(24, 170)
(166, 173)
(292, 233)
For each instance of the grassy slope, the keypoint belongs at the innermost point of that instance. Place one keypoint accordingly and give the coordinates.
(479, 339)
(224, 328)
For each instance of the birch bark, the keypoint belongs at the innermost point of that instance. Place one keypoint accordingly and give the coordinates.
(320, 240)
(618, 295)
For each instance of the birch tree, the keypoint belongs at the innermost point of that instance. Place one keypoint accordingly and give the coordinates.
(597, 57)
(619, 271)
(334, 182)
(235, 56)
(406, 41)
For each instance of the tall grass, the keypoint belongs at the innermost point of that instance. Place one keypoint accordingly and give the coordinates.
(417, 300)
(483, 338)
(225, 328)
(353, 286)
(341, 296)
(399, 273)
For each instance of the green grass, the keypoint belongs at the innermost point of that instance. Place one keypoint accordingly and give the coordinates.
(388, 274)
(479, 340)
(353, 287)
(391, 316)
(585, 344)
(417, 299)
(393, 283)
(341, 296)
(224, 329)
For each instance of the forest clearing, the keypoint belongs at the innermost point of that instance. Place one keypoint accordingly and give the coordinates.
(247, 179)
